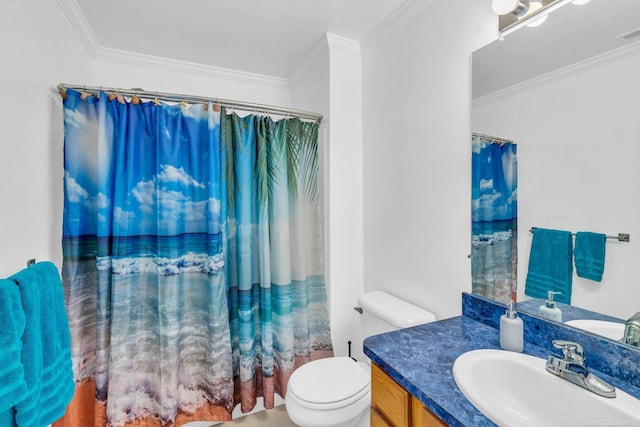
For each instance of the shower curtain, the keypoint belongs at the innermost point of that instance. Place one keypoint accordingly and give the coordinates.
(494, 251)
(176, 254)
(274, 269)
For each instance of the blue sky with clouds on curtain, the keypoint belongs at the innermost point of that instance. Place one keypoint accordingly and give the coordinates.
(163, 196)
(494, 192)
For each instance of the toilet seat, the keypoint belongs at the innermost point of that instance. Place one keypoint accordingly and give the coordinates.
(329, 383)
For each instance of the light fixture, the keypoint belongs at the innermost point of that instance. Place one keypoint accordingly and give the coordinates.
(533, 7)
(531, 18)
(537, 22)
(517, 7)
(580, 2)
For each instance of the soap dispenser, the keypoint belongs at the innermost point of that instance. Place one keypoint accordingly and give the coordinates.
(548, 310)
(511, 330)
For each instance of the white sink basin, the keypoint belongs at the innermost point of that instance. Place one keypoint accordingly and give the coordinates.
(514, 389)
(612, 330)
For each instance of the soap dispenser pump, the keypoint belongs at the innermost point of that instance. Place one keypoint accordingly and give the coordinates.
(511, 330)
(549, 310)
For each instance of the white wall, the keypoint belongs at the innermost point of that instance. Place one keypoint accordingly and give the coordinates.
(113, 68)
(345, 191)
(39, 50)
(417, 153)
(578, 151)
(330, 81)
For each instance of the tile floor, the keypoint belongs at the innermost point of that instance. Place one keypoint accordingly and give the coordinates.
(276, 417)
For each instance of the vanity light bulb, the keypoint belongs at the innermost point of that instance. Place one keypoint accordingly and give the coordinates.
(533, 7)
(502, 7)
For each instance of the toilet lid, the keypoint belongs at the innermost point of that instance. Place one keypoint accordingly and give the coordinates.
(330, 380)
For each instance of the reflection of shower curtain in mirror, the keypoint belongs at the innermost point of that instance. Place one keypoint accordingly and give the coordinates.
(494, 255)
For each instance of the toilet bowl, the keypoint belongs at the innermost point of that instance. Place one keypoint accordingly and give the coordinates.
(336, 391)
(330, 392)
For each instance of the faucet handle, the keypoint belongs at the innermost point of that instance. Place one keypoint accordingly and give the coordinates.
(571, 350)
(632, 330)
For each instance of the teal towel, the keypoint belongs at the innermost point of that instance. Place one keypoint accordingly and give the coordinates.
(589, 255)
(550, 265)
(13, 388)
(46, 347)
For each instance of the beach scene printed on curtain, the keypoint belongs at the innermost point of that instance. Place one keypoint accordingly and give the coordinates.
(275, 257)
(494, 245)
(164, 332)
(143, 263)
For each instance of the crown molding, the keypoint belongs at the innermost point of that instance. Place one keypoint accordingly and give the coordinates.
(558, 74)
(343, 45)
(404, 14)
(168, 64)
(79, 22)
(328, 43)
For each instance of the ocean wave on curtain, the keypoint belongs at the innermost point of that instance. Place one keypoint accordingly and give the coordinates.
(494, 236)
(163, 331)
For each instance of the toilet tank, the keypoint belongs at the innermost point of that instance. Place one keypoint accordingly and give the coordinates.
(382, 312)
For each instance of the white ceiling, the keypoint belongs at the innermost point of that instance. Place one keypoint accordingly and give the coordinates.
(269, 37)
(273, 37)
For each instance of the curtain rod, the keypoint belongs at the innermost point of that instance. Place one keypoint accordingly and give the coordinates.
(492, 138)
(237, 105)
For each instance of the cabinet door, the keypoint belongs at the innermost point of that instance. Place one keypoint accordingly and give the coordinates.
(378, 420)
(422, 417)
(388, 397)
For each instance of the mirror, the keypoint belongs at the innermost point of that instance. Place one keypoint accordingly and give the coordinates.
(568, 94)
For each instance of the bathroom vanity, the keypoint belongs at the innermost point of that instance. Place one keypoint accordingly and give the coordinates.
(412, 368)
(392, 405)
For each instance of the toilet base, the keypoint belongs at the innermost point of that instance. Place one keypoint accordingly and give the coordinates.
(355, 415)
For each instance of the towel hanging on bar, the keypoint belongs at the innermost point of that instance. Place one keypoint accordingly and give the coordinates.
(621, 237)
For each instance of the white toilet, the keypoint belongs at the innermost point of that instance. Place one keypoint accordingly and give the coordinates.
(336, 391)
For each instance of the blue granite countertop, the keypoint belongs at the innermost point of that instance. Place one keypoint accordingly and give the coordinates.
(421, 359)
(569, 312)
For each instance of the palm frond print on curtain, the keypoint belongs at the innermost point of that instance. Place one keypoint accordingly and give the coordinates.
(193, 267)
(494, 252)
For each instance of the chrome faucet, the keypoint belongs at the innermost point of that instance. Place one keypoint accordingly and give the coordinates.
(632, 331)
(573, 369)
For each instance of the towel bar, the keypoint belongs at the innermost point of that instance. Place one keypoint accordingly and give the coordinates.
(621, 237)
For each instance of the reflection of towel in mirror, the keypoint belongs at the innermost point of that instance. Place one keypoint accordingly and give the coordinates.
(550, 265)
(46, 347)
(13, 388)
(589, 255)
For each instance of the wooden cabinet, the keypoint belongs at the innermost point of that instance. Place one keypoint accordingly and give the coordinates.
(377, 419)
(422, 417)
(389, 399)
(393, 406)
